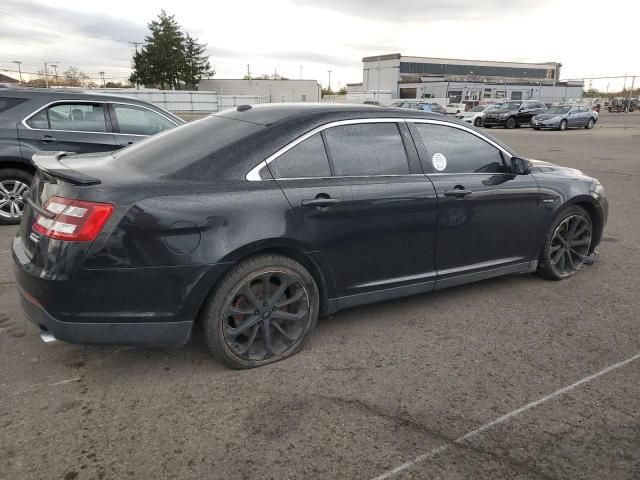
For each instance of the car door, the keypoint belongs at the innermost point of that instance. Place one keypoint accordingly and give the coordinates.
(78, 126)
(573, 117)
(371, 212)
(131, 123)
(487, 216)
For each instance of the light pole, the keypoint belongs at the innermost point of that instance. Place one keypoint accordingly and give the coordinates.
(55, 70)
(46, 72)
(102, 76)
(19, 63)
(329, 90)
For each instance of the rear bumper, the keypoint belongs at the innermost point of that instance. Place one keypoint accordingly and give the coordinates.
(112, 306)
(165, 333)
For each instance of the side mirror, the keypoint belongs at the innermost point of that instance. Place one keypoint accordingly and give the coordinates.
(520, 166)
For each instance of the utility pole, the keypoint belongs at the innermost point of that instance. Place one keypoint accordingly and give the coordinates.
(329, 81)
(55, 69)
(300, 72)
(46, 75)
(19, 63)
(102, 75)
(248, 72)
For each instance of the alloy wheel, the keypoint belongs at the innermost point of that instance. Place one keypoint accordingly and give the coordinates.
(569, 245)
(266, 316)
(12, 194)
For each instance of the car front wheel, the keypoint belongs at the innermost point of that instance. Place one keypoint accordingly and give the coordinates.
(511, 123)
(262, 311)
(477, 122)
(566, 245)
(563, 126)
(14, 186)
(589, 125)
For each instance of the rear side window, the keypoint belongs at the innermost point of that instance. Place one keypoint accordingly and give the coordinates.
(307, 159)
(7, 102)
(452, 150)
(140, 121)
(367, 149)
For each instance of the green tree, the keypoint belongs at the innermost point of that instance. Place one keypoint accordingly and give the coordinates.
(196, 64)
(161, 59)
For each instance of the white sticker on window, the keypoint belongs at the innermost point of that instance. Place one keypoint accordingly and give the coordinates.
(439, 161)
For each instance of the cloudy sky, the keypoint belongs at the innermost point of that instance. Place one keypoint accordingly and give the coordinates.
(290, 36)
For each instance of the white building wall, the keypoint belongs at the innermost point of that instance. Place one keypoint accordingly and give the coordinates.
(381, 75)
(277, 90)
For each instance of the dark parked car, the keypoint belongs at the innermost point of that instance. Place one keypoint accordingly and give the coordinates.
(253, 222)
(513, 114)
(33, 120)
(563, 117)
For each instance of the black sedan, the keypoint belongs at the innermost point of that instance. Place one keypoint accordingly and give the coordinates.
(35, 119)
(253, 222)
(563, 117)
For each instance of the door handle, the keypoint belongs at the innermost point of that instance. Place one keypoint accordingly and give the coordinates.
(48, 139)
(320, 201)
(457, 192)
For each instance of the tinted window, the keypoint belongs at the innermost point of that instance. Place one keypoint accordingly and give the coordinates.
(451, 150)
(307, 159)
(200, 142)
(6, 103)
(39, 120)
(80, 117)
(140, 121)
(367, 149)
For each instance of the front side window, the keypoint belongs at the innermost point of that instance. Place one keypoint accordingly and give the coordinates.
(78, 117)
(452, 150)
(134, 120)
(306, 159)
(367, 149)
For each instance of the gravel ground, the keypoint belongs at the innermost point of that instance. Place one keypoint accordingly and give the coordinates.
(377, 386)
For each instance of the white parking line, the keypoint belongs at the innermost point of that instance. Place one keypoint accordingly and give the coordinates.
(37, 386)
(502, 419)
(4, 251)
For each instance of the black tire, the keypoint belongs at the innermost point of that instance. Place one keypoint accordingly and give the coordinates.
(511, 123)
(590, 124)
(536, 128)
(548, 263)
(487, 126)
(563, 125)
(258, 274)
(477, 122)
(8, 178)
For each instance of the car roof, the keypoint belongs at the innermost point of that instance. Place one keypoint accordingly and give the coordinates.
(270, 114)
(64, 94)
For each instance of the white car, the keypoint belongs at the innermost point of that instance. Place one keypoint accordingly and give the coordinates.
(455, 108)
(474, 116)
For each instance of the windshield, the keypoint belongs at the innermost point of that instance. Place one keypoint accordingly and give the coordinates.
(510, 106)
(559, 110)
(479, 108)
(174, 149)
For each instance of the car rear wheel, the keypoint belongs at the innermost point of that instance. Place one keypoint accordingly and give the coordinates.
(14, 185)
(589, 124)
(566, 244)
(263, 311)
(511, 123)
(563, 126)
(477, 122)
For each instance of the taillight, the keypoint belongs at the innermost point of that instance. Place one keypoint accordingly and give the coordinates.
(75, 220)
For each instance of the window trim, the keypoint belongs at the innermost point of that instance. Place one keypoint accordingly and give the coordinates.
(105, 105)
(253, 175)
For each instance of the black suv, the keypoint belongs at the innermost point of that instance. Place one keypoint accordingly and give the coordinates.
(33, 120)
(514, 114)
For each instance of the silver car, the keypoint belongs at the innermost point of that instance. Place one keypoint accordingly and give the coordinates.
(565, 116)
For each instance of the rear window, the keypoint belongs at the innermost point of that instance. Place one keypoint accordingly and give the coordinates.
(175, 149)
(8, 102)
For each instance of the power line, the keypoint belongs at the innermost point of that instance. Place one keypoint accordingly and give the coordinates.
(29, 22)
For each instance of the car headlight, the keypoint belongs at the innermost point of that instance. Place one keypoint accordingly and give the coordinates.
(597, 191)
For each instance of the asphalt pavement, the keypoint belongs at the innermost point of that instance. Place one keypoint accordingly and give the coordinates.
(510, 378)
